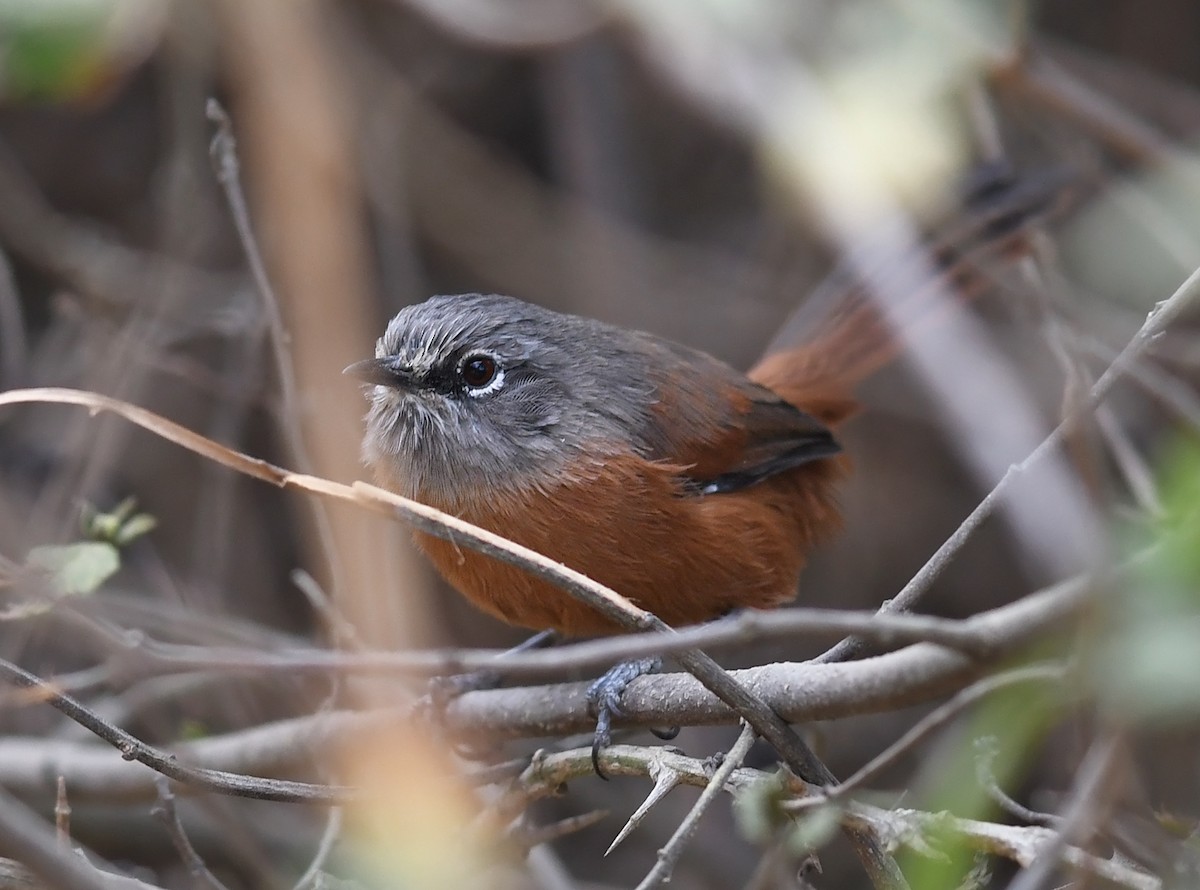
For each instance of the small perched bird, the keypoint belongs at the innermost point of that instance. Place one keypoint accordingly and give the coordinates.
(655, 469)
(661, 472)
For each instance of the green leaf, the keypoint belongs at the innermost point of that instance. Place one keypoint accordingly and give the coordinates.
(120, 526)
(815, 830)
(1144, 660)
(757, 808)
(50, 48)
(76, 569)
(134, 528)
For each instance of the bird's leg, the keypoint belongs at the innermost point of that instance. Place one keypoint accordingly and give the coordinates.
(604, 700)
(443, 690)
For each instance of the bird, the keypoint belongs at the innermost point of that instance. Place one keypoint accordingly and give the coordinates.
(691, 488)
(656, 469)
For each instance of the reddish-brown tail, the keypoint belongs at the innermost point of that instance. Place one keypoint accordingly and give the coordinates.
(840, 336)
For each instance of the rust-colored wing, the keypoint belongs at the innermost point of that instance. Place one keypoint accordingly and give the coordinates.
(724, 431)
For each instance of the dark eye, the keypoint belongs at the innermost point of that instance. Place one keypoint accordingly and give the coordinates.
(478, 371)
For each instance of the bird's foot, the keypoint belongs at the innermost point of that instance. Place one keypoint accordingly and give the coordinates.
(604, 700)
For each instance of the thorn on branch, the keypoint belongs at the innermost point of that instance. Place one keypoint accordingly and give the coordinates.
(62, 815)
(665, 780)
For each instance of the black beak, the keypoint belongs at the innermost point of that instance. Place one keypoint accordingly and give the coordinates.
(381, 372)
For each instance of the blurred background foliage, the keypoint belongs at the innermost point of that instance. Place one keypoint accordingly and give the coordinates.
(690, 167)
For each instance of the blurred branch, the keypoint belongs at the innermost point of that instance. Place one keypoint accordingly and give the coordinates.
(98, 266)
(96, 773)
(306, 191)
(133, 748)
(973, 636)
(516, 24)
(1021, 844)
(32, 841)
(13, 349)
(506, 226)
(1039, 79)
(1086, 811)
(934, 720)
(798, 692)
(288, 415)
(329, 838)
(164, 810)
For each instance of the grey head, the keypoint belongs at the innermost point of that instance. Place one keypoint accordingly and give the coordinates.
(482, 392)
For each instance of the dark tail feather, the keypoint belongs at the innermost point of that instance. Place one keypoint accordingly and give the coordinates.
(839, 336)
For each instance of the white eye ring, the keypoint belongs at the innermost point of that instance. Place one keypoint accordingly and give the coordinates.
(493, 383)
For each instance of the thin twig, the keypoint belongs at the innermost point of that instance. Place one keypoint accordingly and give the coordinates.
(968, 635)
(1037, 268)
(165, 811)
(336, 623)
(1085, 812)
(670, 853)
(224, 152)
(986, 750)
(1139, 477)
(932, 721)
(1043, 81)
(27, 837)
(881, 868)
(1158, 382)
(133, 748)
(329, 838)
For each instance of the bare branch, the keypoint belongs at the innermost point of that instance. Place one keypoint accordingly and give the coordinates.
(1044, 81)
(1021, 844)
(145, 656)
(133, 748)
(1085, 813)
(932, 721)
(287, 417)
(31, 841)
(329, 839)
(798, 692)
(986, 749)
